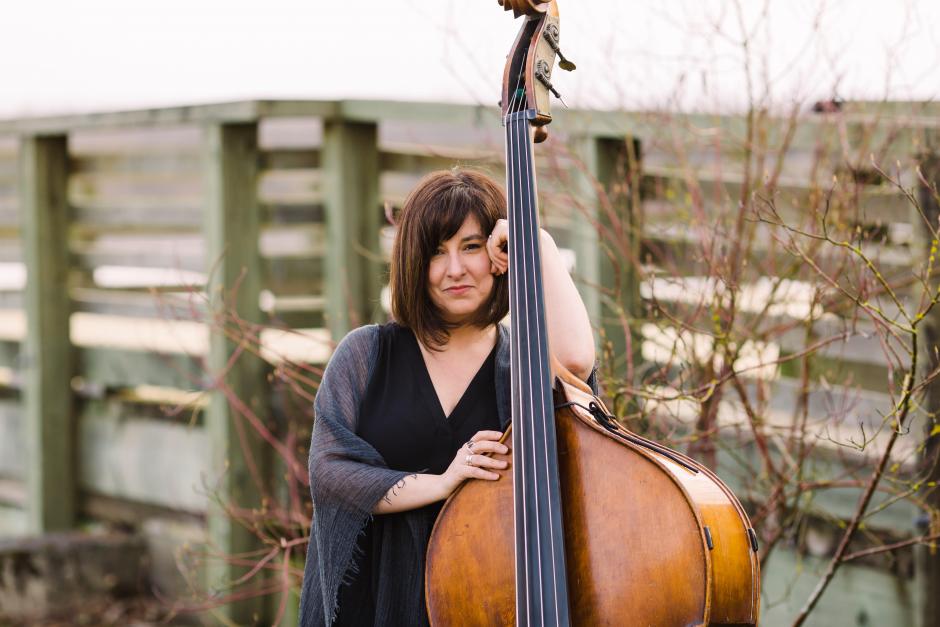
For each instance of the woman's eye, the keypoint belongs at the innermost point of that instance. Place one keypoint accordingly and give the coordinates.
(473, 246)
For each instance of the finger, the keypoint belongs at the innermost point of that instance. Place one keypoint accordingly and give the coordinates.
(482, 461)
(494, 248)
(486, 435)
(488, 446)
(479, 473)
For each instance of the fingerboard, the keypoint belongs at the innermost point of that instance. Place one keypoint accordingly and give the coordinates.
(541, 583)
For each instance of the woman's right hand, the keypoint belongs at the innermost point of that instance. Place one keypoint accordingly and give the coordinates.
(471, 462)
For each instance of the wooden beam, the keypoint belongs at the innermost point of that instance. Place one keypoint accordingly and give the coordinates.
(353, 263)
(217, 113)
(926, 244)
(606, 240)
(236, 453)
(48, 359)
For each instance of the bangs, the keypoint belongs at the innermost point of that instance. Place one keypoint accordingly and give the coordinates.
(443, 221)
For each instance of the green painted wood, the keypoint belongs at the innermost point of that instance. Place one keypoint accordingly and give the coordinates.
(13, 522)
(12, 454)
(353, 263)
(226, 112)
(858, 595)
(231, 235)
(48, 359)
(926, 249)
(142, 460)
(114, 368)
(605, 237)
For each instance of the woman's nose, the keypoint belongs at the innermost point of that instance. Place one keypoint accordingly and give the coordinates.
(455, 266)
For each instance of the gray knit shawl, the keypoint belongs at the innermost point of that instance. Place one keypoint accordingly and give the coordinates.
(348, 477)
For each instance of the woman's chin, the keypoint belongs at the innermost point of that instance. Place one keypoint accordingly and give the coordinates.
(460, 315)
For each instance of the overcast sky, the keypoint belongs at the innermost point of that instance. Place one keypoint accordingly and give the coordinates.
(90, 55)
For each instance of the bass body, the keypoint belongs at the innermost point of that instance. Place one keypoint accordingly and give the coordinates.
(651, 536)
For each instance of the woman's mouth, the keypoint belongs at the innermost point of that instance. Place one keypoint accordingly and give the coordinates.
(458, 290)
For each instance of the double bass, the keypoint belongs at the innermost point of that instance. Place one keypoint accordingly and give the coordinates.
(599, 526)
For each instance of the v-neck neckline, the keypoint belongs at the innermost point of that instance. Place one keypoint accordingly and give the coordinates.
(430, 392)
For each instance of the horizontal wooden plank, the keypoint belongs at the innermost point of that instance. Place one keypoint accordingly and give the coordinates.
(135, 190)
(129, 219)
(124, 161)
(11, 299)
(792, 199)
(164, 246)
(142, 460)
(178, 304)
(275, 213)
(174, 337)
(9, 167)
(12, 447)
(12, 274)
(679, 250)
(136, 216)
(298, 159)
(857, 595)
(302, 310)
(244, 111)
(13, 522)
(123, 511)
(289, 133)
(168, 140)
(10, 220)
(126, 367)
(858, 360)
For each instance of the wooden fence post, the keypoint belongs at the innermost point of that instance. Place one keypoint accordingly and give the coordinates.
(49, 429)
(350, 162)
(928, 362)
(238, 456)
(607, 242)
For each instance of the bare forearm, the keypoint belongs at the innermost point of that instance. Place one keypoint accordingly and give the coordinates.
(569, 327)
(472, 461)
(411, 492)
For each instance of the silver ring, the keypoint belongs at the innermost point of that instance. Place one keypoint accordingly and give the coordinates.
(468, 460)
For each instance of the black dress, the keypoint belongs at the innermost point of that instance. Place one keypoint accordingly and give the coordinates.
(402, 418)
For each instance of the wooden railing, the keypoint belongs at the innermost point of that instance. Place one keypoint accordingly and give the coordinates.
(134, 227)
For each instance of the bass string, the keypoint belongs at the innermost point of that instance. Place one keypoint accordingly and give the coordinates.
(526, 390)
(523, 262)
(545, 487)
(519, 468)
(519, 465)
(520, 431)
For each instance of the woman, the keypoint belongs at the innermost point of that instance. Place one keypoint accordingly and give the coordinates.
(408, 411)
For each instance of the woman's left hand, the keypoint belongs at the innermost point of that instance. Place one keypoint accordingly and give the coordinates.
(496, 247)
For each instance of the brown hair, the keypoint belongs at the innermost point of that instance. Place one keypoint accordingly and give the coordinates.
(433, 212)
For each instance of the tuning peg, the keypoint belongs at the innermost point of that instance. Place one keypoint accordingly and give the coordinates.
(551, 36)
(542, 75)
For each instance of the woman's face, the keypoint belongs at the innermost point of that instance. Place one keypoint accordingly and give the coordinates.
(460, 275)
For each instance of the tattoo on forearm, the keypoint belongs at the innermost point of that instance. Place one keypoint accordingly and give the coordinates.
(393, 491)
